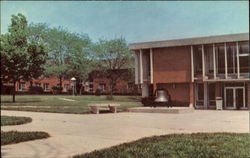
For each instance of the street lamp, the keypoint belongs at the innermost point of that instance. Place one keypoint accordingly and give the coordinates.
(73, 82)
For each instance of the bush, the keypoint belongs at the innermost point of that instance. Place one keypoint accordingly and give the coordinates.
(57, 88)
(12, 137)
(6, 89)
(13, 120)
(35, 90)
(98, 92)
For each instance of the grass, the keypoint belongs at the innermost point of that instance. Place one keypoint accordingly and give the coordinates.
(199, 145)
(12, 137)
(55, 103)
(13, 120)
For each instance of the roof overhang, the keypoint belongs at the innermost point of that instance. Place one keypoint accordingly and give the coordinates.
(191, 41)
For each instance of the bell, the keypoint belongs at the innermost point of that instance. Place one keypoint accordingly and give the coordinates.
(161, 96)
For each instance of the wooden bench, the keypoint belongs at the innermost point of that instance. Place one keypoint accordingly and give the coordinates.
(96, 107)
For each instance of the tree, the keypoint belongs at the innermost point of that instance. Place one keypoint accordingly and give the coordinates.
(21, 59)
(112, 56)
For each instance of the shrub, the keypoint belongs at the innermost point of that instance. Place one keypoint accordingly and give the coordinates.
(12, 137)
(98, 92)
(57, 88)
(13, 120)
(35, 90)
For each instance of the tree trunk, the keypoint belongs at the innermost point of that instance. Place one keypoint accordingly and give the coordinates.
(60, 84)
(14, 92)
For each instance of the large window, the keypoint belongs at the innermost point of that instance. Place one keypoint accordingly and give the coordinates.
(197, 53)
(208, 52)
(200, 94)
(231, 58)
(220, 55)
(244, 57)
(211, 94)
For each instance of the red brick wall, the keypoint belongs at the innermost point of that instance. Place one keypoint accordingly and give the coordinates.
(181, 91)
(121, 85)
(53, 81)
(172, 65)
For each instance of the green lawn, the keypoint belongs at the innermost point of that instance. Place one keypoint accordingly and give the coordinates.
(12, 137)
(12, 120)
(55, 103)
(199, 145)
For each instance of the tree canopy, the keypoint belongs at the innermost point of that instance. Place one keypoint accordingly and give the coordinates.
(21, 59)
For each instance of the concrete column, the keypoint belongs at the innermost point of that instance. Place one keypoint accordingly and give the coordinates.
(203, 62)
(205, 95)
(191, 95)
(214, 62)
(192, 64)
(225, 51)
(248, 95)
(238, 60)
(141, 68)
(136, 68)
(145, 90)
(151, 66)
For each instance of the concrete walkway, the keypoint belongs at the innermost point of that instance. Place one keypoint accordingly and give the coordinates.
(75, 134)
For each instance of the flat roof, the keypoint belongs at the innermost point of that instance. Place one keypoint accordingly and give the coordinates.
(191, 41)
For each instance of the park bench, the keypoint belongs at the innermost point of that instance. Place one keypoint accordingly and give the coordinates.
(96, 107)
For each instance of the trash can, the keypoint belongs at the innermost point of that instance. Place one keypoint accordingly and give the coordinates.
(218, 103)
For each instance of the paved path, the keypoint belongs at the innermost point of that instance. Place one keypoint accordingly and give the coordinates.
(75, 134)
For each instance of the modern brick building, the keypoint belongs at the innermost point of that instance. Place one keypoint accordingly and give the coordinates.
(196, 71)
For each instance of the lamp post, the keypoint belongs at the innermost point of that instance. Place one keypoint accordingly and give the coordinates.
(73, 82)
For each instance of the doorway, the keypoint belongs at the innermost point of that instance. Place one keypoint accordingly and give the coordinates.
(234, 97)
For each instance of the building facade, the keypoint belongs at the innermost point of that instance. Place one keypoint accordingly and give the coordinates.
(197, 71)
(45, 83)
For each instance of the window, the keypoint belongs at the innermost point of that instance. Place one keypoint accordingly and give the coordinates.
(220, 54)
(209, 66)
(244, 57)
(197, 52)
(66, 87)
(45, 86)
(37, 84)
(200, 94)
(231, 58)
(22, 86)
(102, 86)
(211, 94)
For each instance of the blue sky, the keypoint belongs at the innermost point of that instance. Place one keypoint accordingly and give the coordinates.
(135, 21)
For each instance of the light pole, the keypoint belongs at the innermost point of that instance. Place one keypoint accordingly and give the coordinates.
(73, 82)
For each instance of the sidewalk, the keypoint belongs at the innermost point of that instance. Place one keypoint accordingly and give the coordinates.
(75, 134)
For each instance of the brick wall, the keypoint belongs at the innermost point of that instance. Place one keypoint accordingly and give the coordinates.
(172, 65)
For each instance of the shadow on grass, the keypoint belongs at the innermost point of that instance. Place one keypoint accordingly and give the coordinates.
(25, 101)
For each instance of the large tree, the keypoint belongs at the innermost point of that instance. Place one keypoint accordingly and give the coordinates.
(21, 59)
(111, 57)
(68, 52)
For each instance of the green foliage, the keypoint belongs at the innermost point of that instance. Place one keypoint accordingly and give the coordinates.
(21, 59)
(12, 137)
(111, 57)
(199, 145)
(68, 52)
(13, 120)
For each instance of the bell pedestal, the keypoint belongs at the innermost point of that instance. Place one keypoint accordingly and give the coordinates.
(145, 90)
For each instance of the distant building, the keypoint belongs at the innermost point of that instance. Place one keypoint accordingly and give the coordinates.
(196, 71)
(98, 80)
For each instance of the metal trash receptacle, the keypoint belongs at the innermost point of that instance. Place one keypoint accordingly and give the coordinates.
(219, 103)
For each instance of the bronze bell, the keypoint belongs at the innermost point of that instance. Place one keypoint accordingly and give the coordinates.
(161, 96)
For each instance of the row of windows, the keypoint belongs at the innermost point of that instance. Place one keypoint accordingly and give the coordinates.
(22, 86)
(231, 52)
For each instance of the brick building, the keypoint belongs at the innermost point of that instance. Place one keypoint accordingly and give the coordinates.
(98, 80)
(45, 83)
(196, 71)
